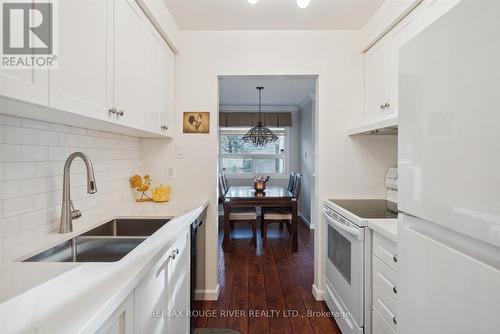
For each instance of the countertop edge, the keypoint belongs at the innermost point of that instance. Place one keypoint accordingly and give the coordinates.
(385, 227)
(93, 313)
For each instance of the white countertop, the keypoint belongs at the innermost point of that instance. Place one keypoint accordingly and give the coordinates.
(386, 227)
(78, 297)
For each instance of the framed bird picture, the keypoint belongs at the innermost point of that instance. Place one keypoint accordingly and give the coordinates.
(196, 122)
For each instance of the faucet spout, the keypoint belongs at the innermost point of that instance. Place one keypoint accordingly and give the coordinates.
(68, 212)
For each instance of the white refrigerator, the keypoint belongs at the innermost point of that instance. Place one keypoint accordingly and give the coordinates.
(449, 174)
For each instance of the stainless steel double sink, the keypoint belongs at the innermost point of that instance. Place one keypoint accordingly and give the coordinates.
(108, 242)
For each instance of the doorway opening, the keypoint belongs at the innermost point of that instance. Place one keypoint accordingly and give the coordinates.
(288, 109)
(261, 270)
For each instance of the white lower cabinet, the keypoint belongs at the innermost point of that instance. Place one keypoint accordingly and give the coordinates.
(380, 326)
(162, 301)
(384, 285)
(122, 320)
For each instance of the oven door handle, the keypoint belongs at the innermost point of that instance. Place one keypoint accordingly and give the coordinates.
(357, 233)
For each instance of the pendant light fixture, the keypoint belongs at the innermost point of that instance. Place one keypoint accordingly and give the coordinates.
(259, 135)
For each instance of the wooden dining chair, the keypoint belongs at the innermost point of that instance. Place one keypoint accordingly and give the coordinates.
(291, 182)
(239, 215)
(283, 216)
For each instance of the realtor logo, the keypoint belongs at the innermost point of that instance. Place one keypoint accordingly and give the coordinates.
(28, 34)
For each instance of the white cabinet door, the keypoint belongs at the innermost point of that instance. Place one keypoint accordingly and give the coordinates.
(166, 88)
(162, 298)
(158, 113)
(151, 299)
(122, 320)
(82, 82)
(30, 85)
(379, 325)
(378, 101)
(131, 36)
(179, 286)
(153, 74)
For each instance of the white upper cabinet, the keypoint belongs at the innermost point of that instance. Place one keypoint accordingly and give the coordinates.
(114, 73)
(378, 99)
(131, 77)
(166, 88)
(28, 85)
(82, 82)
(381, 67)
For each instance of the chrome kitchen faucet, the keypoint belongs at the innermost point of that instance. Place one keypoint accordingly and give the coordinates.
(68, 212)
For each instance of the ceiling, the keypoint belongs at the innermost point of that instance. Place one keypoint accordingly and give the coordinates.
(271, 14)
(278, 90)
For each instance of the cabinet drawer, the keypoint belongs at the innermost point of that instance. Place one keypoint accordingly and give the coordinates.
(385, 250)
(385, 305)
(385, 277)
(380, 326)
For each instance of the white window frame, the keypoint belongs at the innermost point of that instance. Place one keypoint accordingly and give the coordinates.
(241, 131)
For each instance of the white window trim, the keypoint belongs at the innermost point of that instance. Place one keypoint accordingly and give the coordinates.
(285, 156)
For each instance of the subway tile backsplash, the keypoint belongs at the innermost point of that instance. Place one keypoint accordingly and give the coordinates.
(32, 155)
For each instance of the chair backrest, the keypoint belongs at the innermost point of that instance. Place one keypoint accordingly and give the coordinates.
(223, 184)
(297, 184)
(291, 181)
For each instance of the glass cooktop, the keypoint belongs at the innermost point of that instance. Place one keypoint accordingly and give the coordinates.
(369, 208)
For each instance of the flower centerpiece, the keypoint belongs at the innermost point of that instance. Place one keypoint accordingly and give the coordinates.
(259, 182)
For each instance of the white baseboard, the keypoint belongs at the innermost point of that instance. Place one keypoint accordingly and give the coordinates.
(308, 223)
(207, 294)
(317, 293)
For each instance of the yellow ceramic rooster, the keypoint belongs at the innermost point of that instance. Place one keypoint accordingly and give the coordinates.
(137, 183)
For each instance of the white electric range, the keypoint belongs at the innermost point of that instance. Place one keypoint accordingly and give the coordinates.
(347, 250)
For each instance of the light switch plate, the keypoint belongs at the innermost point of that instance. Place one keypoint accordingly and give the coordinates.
(170, 172)
(180, 154)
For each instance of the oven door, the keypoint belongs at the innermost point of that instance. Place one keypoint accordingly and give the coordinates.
(345, 270)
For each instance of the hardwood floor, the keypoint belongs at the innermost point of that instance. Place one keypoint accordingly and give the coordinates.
(266, 289)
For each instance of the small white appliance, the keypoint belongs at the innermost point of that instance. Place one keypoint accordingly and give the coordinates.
(449, 174)
(347, 251)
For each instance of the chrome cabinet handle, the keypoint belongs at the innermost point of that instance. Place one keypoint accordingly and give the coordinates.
(174, 253)
(395, 320)
(112, 110)
(385, 106)
(395, 258)
(120, 112)
(164, 127)
(164, 265)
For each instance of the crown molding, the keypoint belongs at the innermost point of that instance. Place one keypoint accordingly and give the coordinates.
(309, 98)
(253, 108)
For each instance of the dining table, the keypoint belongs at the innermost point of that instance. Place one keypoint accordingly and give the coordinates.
(247, 196)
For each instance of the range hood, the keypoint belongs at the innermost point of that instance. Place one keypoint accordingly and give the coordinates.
(387, 126)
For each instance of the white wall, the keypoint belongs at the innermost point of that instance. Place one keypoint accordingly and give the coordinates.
(306, 159)
(347, 167)
(32, 155)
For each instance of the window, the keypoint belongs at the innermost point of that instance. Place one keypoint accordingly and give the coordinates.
(239, 158)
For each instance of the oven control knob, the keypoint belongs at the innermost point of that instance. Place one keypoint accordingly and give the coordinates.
(395, 289)
(395, 258)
